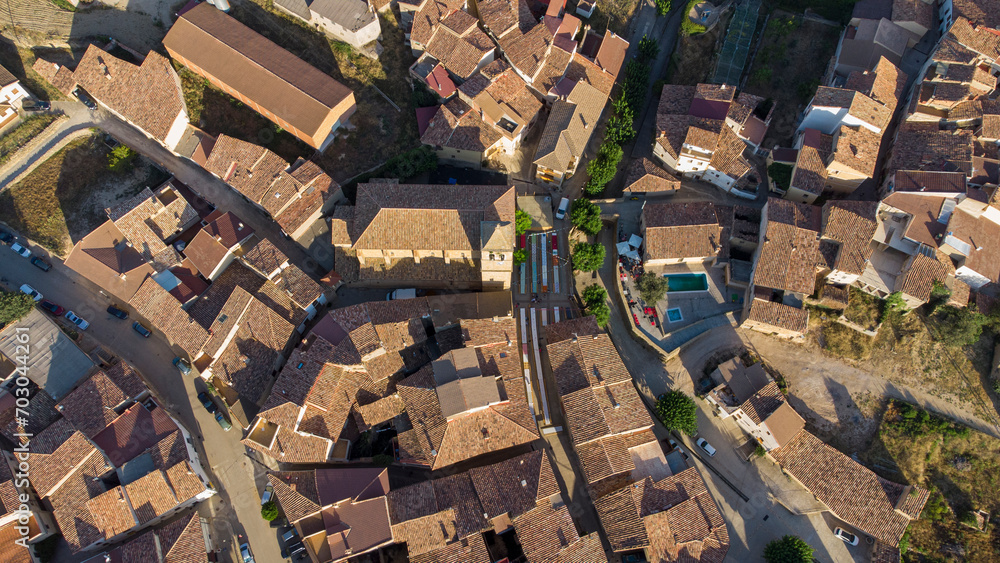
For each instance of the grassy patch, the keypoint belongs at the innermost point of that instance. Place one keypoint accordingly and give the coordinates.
(22, 135)
(63, 5)
(960, 466)
(613, 15)
(789, 64)
(846, 342)
(694, 56)
(65, 196)
(689, 27)
(19, 61)
(863, 309)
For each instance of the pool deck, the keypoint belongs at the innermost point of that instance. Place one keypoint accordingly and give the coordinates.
(694, 306)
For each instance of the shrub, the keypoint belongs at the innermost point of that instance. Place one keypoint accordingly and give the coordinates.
(120, 158)
(904, 542)
(520, 256)
(586, 216)
(895, 302)
(522, 222)
(678, 412)
(14, 306)
(269, 511)
(648, 48)
(595, 300)
(588, 257)
(936, 508)
(781, 174)
(957, 327)
(759, 451)
(662, 7)
(805, 90)
(762, 75)
(789, 549)
(652, 287)
(409, 164)
(916, 422)
(689, 27)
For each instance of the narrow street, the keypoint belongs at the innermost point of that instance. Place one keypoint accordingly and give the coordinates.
(233, 474)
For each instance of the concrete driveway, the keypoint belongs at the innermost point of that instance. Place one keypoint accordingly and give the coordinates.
(236, 509)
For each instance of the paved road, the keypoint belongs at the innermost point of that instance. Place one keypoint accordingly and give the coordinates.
(231, 471)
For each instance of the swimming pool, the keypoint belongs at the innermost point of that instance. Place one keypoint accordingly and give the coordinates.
(686, 282)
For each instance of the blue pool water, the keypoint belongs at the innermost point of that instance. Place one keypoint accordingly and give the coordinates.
(674, 315)
(686, 282)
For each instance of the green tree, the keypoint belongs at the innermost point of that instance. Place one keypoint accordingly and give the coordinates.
(595, 300)
(522, 222)
(781, 174)
(895, 302)
(588, 257)
(652, 287)
(120, 158)
(520, 256)
(14, 306)
(789, 549)
(586, 216)
(603, 167)
(621, 128)
(662, 7)
(958, 327)
(678, 412)
(648, 48)
(269, 511)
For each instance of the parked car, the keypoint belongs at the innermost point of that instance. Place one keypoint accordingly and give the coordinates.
(245, 553)
(85, 99)
(116, 312)
(207, 402)
(227, 426)
(268, 493)
(290, 536)
(20, 250)
(52, 308)
(563, 207)
(41, 264)
(35, 105)
(182, 365)
(703, 444)
(145, 332)
(80, 323)
(848, 537)
(6, 237)
(32, 292)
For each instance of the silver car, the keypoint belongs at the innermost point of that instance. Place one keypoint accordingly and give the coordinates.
(22, 251)
(27, 289)
(80, 323)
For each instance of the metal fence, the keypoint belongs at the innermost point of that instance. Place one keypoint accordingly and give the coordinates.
(736, 48)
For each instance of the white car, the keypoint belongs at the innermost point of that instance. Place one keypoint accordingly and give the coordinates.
(703, 444)
(268, 493)
(20, 250)
(80, 323)
(32, 292)
(848, 537)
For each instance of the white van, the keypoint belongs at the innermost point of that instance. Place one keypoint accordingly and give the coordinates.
(563, 207)
(401, 294)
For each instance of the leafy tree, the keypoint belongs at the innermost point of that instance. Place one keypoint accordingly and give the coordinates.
(588, 257)
(595, 300)
(586, 216)
(895, 302)
(522, 222)
(520, 256)
(603, 167)
(781, 174)
(648, 48)
(14, 306)
(789, 549)
(620, 127)
(678, 412)
(120, 158)
(269, 511)
(383, 460)
(958, 327)
(652, 287)
(662, 7)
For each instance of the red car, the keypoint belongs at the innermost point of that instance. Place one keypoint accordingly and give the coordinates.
(524, 241)
(51, 308)
(555, 244)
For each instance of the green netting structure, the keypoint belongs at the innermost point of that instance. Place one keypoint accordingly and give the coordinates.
(736, 48)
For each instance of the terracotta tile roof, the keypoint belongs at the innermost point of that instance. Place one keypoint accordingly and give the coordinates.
(853, 492)
(460, 55)
(978, 11)
(857, 104)
(217, 299)
(763, 402)
(913, 11)
(10, 550)
(526, 51)
(134, 432)
(680, 230)
(810, 173)
(789, 258)
(569, 127)
(553, 70)
(728, 155)
(675, 519)
(500, 489)
(919, 278)
(49, 468)
(979, 38)
(545, 531)
(131, 90)
(275, 80)
(77, 523)
(471, 550)
(265, 257)
(644, 176)
(164, 312)
(564, 330)
(857, 149)
(501, 16)
(112, 513)
(183, 541)
(426, 20)
(150, 496)
(778, 315)
(436, 217)
(382, 410)
(978, 233)
(582, 68)
(8, 492)
(299, 286)
(90, 406)
(937, 150)
(852, 224)
(428, 533)
(919, 181)
(459, 21)
(589, 361)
